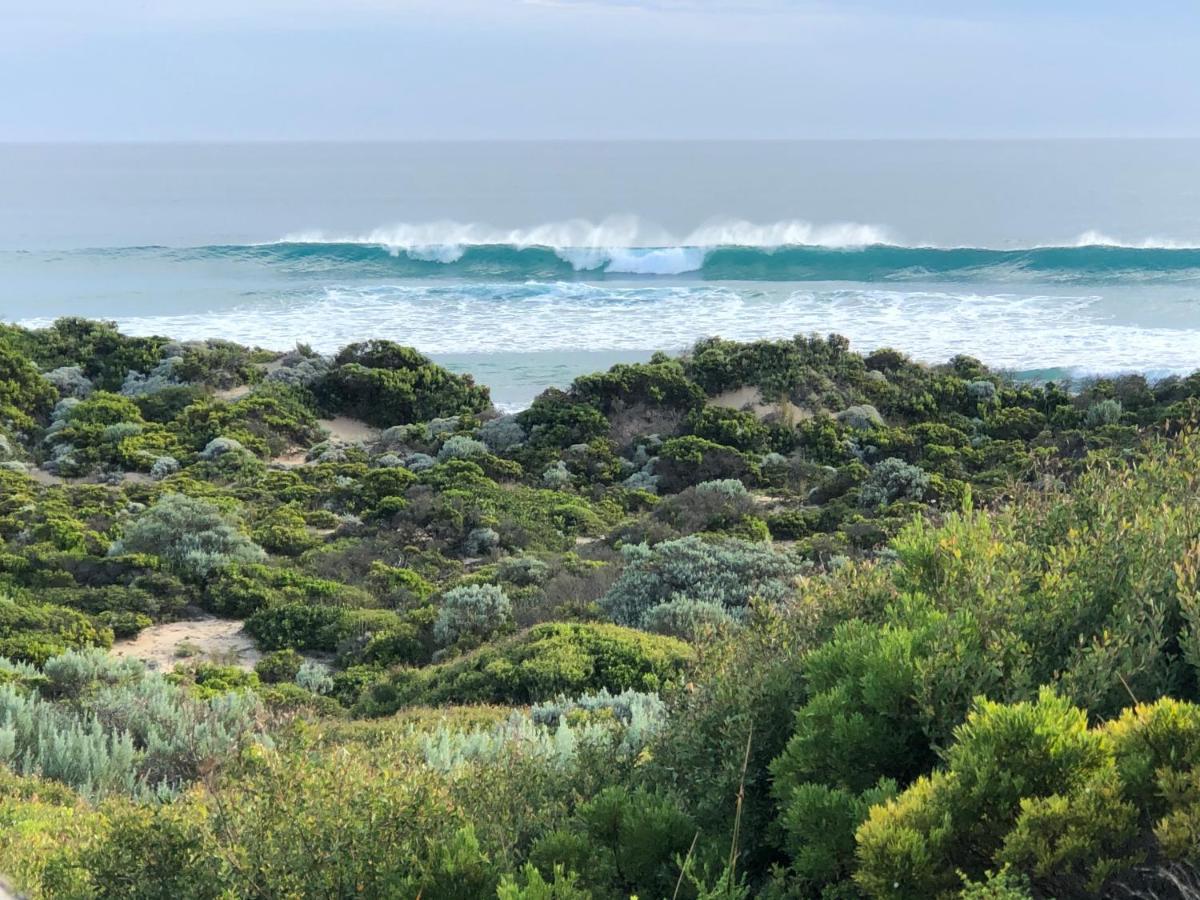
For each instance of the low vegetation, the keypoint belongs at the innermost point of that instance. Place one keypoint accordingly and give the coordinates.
(773, 619)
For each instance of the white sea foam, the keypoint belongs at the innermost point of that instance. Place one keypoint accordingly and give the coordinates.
(1100, 239)
(591, 245)
(612, 232)
(516, 325)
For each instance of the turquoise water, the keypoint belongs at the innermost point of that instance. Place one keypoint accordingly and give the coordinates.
(530, 263)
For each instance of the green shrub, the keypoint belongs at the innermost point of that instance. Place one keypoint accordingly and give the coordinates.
(25, 396)
(1004, 759)
(540, 664)
(279, 666)
(190, 536)
(385, 384)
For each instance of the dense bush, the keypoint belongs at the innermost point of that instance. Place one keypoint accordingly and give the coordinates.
(540, 664)
(385, 384)
(24, 395)
(190, 536)
(473, 613)
(727, 573)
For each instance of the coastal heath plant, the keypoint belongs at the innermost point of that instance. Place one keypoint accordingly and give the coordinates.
(191, 536)
(727, 572)
(472, 611)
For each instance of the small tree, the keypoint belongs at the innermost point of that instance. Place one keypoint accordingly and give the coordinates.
(191, 536)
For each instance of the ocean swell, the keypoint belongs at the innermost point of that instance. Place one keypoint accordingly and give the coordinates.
(1097, 263)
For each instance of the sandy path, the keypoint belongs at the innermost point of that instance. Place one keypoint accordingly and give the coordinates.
(350, 430)
(218, 640)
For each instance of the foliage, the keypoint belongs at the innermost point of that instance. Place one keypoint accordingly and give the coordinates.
(540, 664)
(190, 536)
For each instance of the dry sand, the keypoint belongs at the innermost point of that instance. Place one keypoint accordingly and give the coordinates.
(218, 640)
(349, 430)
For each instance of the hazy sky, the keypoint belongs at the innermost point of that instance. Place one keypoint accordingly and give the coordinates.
(450, 69)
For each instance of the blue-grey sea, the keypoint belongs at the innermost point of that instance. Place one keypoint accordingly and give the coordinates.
(529, 263)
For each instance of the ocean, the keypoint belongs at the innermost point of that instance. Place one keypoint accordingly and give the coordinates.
(530, 263)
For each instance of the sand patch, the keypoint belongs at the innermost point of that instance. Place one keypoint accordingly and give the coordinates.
(750, 399)
(349, 430)
(229, 395)
(41, 476)
(291, 459)
(212, 639)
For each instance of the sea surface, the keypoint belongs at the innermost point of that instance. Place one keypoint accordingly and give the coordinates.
(530, 263)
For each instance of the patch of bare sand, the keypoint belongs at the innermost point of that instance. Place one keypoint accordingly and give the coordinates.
(291, 458)
(234, 393)
(751, 399)
(349, 430)
(209, 638)
(41, 476)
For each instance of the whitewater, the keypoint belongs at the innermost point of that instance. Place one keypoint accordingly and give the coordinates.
(530, 264)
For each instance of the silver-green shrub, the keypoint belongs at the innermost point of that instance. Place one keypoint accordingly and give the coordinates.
(481, 541)
(556, 476)
(1103, 412)
(163, 467)
(689, 619)
(460, 446)
(106, 725)
(70, 381)
(314, 677)
(502, 434)
(475, 610)
(891, 480)
(191, 536)
(863, 417)
(728, 573)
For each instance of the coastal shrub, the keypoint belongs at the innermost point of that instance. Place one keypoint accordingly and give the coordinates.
(538, 665)
(481, 542)
(385, 384)
(1103, 412)
(284, 531)
(892, 480)
(473, 613)
(502, 434)
(727, 572)
(863, 417)
(661, 382)
(129, 731)
(279, 666)
(70, 381)
(300, 368)
(35, 632)
(190, 536)
(687, 619)
(1005, 762)
(731, 428)
(299, 626)
(162, 377)
(623, 842)
(314, 678)
(460, 446)
(690, 460)
(556, 476)
(241, 589)
(25, 396)
(105, 354)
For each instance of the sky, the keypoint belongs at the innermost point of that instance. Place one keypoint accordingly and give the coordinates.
(132, 70)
